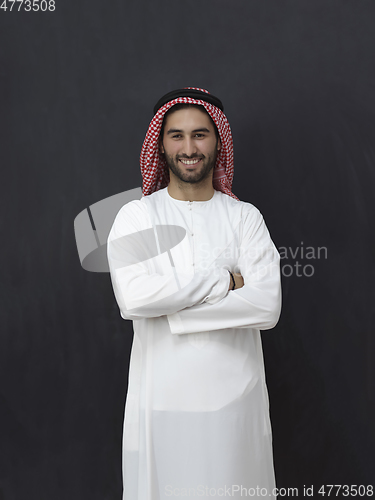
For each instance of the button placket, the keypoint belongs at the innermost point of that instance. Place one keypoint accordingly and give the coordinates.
(192, 230)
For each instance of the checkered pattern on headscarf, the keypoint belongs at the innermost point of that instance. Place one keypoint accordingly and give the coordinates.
(154, 168)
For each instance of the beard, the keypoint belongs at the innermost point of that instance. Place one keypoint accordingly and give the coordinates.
(196, 175)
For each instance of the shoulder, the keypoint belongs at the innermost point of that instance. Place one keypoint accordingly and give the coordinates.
(134, 208)
(244, 209)
(133, 216)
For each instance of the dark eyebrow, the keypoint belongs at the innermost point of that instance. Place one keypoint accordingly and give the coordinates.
(176, 130)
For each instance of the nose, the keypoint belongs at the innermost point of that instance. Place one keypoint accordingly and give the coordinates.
(188, 147)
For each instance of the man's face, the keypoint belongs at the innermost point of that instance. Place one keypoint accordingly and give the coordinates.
(190, 145)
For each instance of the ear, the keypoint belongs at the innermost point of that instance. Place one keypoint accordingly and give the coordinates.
(218, 144)
(161, 147)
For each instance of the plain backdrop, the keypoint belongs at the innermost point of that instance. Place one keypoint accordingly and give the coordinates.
(77, 89)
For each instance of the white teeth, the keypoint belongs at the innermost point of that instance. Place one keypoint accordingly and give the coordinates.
(190, 162)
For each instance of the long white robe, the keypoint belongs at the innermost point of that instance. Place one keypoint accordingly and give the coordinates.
(197, 414)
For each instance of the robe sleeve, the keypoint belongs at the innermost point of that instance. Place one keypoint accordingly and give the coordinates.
(143, 294)
(255, 305)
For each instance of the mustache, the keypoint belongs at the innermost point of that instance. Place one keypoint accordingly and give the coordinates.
(192, 157)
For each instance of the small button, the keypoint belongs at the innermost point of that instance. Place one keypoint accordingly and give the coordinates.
(192, 234)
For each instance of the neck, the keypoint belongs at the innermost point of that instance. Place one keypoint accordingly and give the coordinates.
(190, 192)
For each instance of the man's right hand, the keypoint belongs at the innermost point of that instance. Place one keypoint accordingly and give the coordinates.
(238, 281)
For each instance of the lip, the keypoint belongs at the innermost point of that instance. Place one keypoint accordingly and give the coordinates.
(192, 165)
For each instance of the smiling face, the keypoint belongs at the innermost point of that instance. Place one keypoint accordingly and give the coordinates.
(190, 145)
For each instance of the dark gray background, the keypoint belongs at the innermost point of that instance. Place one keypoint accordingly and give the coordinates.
(78, 85)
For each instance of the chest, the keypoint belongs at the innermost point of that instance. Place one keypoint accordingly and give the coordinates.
(197, 240)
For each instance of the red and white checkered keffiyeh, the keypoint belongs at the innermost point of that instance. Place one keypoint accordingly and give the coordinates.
(154, 168)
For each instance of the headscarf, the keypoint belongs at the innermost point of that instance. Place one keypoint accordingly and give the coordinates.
(154, 168)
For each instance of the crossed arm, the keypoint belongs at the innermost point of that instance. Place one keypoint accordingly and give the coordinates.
(201, 302)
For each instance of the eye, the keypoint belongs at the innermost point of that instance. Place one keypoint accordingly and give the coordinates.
(199, 135)
(176, 136)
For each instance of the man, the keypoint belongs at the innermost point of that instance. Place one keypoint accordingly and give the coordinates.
(197, 272)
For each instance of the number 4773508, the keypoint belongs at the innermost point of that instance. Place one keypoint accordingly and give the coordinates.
(28, 5)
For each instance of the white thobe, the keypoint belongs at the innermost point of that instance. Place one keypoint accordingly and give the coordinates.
(197, 414)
